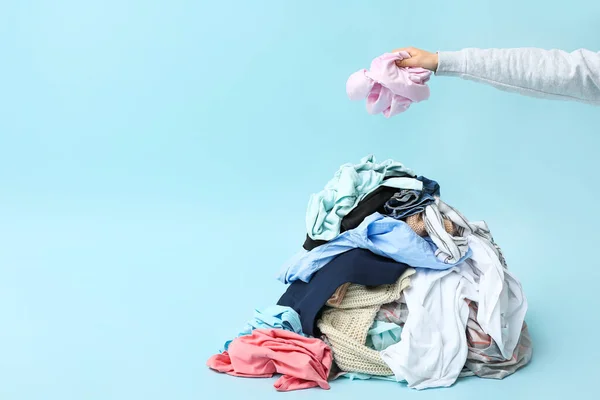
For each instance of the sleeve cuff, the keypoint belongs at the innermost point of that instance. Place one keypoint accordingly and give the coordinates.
(451, 63)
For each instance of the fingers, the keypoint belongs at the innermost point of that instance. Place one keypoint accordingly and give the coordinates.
(415, 59)
(407, 62)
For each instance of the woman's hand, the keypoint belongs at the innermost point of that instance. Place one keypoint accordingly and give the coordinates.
(418, 58)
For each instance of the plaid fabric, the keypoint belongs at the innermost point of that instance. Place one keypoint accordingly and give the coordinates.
(485, 359)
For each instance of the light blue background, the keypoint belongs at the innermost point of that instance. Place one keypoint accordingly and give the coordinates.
(156, 158)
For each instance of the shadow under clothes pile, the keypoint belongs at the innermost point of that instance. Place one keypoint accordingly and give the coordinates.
(392, 283)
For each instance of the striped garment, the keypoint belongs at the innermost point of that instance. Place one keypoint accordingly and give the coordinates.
(452, 248)
(485, 358)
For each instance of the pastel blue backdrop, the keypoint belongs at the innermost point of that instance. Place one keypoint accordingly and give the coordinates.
(156, 159)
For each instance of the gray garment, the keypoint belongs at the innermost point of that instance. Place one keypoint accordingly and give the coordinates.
(451, 248)
(454, 247)
(553, 74)
(483, 365)
(405, 203)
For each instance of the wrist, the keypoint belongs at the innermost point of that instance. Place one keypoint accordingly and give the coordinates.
(434, 62)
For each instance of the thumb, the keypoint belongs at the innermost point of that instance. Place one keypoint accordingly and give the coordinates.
(407, 62)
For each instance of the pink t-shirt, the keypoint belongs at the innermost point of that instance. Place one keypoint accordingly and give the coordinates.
(303, 362)
(388, 88)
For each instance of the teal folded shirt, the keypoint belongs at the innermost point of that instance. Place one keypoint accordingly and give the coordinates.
(350, 184)
(383, 334)
(380, 336)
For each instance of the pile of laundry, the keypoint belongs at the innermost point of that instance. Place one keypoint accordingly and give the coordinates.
(392, 283)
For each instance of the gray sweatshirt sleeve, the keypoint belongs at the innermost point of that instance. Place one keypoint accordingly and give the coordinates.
(553, 74)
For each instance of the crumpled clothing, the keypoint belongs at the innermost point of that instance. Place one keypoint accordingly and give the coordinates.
(407, 202)
(347, 326)
(381, 235)
(485, 358)
(382, 335)
(357, 266)
(273, 317)
(417, 224)
(395, 312)
(375, 202)
(350, 184)
(502, 304)
(303, 362)
(389, 89)
(450, 247)
(453, 246)
(337, 296)
(433, 348)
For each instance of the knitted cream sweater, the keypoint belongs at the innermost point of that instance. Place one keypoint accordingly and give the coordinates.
(346, 325)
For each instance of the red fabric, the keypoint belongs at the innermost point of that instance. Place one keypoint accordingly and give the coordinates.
(303, 362)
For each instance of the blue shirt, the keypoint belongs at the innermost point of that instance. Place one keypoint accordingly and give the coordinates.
(273, 317)
(381, 235)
